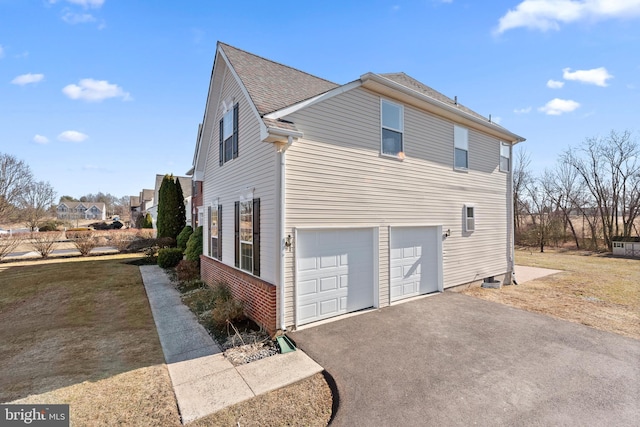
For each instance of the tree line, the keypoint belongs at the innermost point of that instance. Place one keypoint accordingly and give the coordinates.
(26, 200)
(590, 197)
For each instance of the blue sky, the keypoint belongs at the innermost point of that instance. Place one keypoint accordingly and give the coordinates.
(101, 95)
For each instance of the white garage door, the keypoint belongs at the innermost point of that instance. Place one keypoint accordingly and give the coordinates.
(334, 272)
(414, 261)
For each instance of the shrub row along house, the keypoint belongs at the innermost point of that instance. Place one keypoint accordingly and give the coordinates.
(320, 199)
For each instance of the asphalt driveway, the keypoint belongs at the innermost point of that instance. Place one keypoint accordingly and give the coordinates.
(452, 359)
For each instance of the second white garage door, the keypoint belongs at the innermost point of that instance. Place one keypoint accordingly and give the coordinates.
(415, 261)
(335, 272)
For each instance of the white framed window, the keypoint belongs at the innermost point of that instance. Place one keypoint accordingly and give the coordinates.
(618, 244)
(215, 235)
(469, 217)
(460, 147)
(392, 120)
(505, 157)
(228, 145)
(246, 235)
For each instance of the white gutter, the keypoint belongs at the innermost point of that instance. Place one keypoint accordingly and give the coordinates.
(282, 152)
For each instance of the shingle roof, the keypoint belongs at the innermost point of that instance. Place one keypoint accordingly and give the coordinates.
(411, 83)
(271, 85)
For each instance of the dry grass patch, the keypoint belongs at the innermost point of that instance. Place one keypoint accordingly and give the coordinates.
(594, 289)
(306, 403)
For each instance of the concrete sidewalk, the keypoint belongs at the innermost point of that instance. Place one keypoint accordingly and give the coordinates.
(204, 381)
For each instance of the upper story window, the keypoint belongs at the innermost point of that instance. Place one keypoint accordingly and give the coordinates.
(392, 128)
(461, 147)
(229, 135)
(505, 157)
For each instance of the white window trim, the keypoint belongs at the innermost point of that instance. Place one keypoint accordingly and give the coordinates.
(246, 200)
(508, 157)
(468, 206)
(461, 145)
(401, 154)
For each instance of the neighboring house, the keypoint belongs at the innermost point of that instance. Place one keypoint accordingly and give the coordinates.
(197, 209)
(322, 199)
(134, 209)
(81, 210)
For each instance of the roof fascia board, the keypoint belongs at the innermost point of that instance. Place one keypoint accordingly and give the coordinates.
(388, 87)
(263, 128)
(308, 102)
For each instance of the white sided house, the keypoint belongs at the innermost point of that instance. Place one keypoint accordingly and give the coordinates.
(322, 199)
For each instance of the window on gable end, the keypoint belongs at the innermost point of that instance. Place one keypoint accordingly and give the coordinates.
(505, 157)
(392, 120)
(228, 149)
(461, 147)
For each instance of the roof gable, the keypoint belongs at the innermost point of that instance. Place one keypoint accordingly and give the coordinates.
(271, 85)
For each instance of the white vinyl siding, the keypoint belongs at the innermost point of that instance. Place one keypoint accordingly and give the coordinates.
(255, 169)
(336, 177)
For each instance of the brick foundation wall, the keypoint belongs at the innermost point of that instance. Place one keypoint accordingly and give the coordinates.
(258, 296)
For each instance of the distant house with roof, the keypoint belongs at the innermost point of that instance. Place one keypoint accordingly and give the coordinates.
(67, 210)
(320, 199)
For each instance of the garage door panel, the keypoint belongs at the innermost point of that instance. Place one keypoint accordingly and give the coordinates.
(414, 268)
(308, 287)
(329, 283)
(340, 263)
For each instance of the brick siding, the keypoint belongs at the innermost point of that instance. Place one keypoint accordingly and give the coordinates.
(258, 296)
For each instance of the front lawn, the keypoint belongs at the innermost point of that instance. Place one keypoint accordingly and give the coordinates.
(594, 289)
(80, 331)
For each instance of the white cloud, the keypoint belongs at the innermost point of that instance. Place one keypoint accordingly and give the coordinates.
(522, 110)
(596, 76)
(28, 78)
(1, 51)
(549, 14)
(84, 3)
(78, 18)
(72, 136)
(95, 91)
(497, 120)
(554, 84)
(39, 139)
(558, 106)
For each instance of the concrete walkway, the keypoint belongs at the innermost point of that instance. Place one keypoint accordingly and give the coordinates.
(525, 274)
(204, 381)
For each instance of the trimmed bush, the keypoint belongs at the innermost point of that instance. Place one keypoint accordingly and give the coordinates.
(183, 237)
(194, 246)
(169, 257)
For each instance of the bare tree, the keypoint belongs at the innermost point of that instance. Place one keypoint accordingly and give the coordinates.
(35, 202)
(610, 170)
(565, 188)
(542, 209)
(15, 175)
(522, 178)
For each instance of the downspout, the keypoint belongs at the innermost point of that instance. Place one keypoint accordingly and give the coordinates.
(511, 279)
(282, 151)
